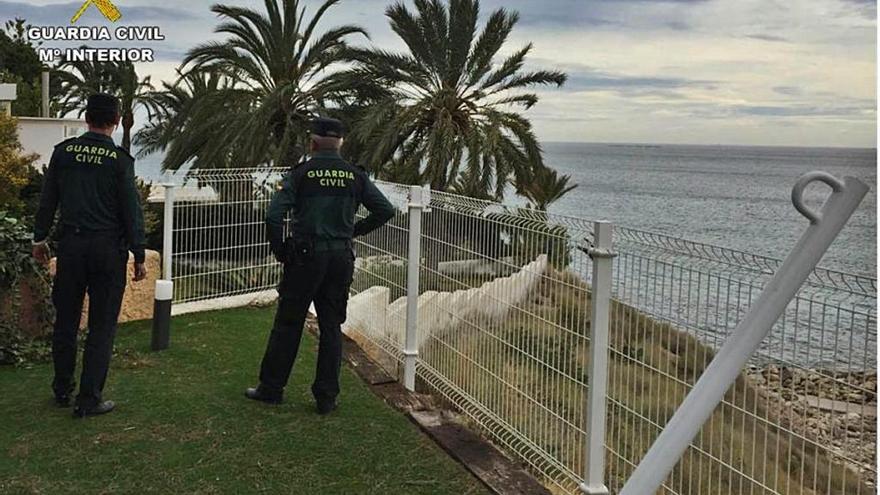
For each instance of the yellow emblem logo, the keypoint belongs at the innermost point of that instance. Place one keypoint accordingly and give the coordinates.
(105, 6)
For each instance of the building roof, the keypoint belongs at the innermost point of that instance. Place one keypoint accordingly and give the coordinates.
(66, 120)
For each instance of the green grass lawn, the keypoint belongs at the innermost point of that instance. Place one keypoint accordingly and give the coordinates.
(182, 425)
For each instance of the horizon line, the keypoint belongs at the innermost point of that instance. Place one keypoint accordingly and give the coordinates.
(660, 144)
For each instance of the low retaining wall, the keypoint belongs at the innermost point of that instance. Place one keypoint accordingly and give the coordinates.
(138, 301)
(263, 298)
(370, 313)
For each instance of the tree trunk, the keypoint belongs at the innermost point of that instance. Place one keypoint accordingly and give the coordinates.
(127, 124)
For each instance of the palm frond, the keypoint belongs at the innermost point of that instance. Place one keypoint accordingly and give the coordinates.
(440, 107)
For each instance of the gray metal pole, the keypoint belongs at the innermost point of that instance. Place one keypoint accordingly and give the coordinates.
(751, 331)
(419, 199)
(594, 458)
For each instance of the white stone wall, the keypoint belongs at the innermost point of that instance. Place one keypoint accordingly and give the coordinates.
(370, 313)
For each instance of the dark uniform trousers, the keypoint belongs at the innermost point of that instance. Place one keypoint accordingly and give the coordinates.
(324, 278)
(93, 262)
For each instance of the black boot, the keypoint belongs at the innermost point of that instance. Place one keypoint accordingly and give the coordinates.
(326, 407)
(62, 399)
(261, 395)
(101, 408)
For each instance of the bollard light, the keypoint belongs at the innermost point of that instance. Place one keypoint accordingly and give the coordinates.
(162, 315)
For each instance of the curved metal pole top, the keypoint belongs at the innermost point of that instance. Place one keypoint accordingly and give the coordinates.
(797, 192)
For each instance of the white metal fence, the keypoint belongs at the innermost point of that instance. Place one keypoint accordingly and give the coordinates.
(219, 236)
(503, 333)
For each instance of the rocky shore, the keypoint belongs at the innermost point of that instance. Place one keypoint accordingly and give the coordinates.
(835, 409)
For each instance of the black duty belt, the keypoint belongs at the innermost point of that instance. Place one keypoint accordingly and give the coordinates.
(76, 230)
(323, 245)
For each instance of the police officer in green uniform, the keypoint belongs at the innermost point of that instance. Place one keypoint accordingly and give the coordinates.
(323, 194)
(91, 180)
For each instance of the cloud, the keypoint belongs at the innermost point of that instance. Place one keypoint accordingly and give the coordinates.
(788, 90)
(581, 14)
(591, 79)
(62, 12)
(801, 111)
(767, 37)
(654, 1)
(678, 25)
(866, 8)
(564, 19)
(700, 71)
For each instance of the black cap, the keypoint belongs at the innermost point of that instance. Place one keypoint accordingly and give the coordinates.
(328, 128)
(102, 102)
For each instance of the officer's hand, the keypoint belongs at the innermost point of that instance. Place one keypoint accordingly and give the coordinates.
(40, 252)
(140, 272)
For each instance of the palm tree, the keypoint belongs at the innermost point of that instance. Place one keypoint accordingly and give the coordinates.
(79, 79)
(171, 112)
(132, 92)
(447, 104)
(279, 67)
(471, 184)
(544, 187)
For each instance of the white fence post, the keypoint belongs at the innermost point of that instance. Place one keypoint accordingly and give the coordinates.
(594, 459)
(164, 293)
(751, 331)
(168, 229)
(419, 199)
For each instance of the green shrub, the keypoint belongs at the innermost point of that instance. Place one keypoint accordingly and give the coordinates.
(17, 267)
(153, 217)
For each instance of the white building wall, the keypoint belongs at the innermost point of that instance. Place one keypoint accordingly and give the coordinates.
(39, 135)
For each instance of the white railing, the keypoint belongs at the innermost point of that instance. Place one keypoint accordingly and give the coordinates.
(500, 325)
(725, 367)
(219, 236)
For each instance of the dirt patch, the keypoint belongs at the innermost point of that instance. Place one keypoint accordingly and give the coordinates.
(19, 450)
(127, 359)
(24, 485)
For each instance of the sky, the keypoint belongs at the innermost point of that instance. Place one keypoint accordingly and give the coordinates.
(735, 72)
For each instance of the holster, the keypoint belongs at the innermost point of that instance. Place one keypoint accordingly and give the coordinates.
(299, 250)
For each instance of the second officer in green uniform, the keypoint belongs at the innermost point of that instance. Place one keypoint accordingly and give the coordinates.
(323, 193)
(91, 180)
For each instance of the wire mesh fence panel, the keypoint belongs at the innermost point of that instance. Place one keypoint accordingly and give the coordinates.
(504, 324)
(800, 420)
(219, 236)
(380, 278)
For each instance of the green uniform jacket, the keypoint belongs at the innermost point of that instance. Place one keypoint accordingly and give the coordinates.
(92, 180)
(324, 194)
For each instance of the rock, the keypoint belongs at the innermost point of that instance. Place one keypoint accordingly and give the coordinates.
(848, 422)
(138, 301)
(855, 397)
(786, 374)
